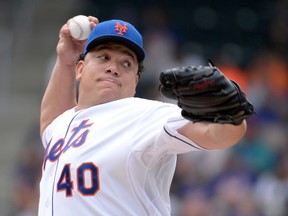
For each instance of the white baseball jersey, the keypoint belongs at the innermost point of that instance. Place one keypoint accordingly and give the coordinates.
(116, 158)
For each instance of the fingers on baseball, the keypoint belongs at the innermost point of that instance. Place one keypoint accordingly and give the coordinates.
(64, 31)
(93, 21)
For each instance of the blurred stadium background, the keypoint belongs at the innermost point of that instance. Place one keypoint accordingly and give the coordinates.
(247, 40)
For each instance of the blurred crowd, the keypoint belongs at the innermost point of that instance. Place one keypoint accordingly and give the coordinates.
(249, 179)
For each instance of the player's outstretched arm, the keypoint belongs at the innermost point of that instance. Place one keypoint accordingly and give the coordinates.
(213, 136)
(60, 93)
(216, 106)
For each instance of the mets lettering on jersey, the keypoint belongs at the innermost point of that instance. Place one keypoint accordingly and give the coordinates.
(115, 159)
(77, 138)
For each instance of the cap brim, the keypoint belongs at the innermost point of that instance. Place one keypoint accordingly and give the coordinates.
(112, 38)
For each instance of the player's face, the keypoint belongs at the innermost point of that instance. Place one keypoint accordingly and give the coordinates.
(109, 72)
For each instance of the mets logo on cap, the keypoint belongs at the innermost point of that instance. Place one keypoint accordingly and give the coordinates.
(121, 28)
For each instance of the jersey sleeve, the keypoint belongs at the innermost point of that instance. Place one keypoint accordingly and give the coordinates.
(174, 141)
(156, 133)
(155, 137)
(170, 140)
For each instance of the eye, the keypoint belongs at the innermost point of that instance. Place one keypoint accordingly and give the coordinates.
(103, 57)
(127, 64)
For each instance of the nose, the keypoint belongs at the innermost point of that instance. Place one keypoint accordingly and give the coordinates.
(112, 68)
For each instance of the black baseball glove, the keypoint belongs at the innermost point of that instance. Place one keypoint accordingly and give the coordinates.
(205, 95)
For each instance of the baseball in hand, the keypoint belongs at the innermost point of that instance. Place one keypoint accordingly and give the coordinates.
(79, 27)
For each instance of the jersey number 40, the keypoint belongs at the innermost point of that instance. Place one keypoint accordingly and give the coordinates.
(87, 180)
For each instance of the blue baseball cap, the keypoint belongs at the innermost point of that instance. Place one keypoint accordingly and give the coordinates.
(116, 31)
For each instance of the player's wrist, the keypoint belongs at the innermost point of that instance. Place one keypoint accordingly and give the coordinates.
(65, 65)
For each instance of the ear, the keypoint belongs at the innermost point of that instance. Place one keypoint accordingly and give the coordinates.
(79, 69)
(137, 79)
(136, 83)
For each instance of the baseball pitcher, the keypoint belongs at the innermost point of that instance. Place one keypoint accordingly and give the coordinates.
(109, 153)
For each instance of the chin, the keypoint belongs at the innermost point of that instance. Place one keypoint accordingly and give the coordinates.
(108, 97)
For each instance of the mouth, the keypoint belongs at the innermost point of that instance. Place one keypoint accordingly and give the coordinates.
(111, 80)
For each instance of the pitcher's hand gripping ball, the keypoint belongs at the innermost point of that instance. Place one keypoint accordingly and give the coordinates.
(79, 27)
(205, 95)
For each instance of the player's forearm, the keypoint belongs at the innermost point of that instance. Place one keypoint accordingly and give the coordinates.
(213, 136)
(59, 95)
